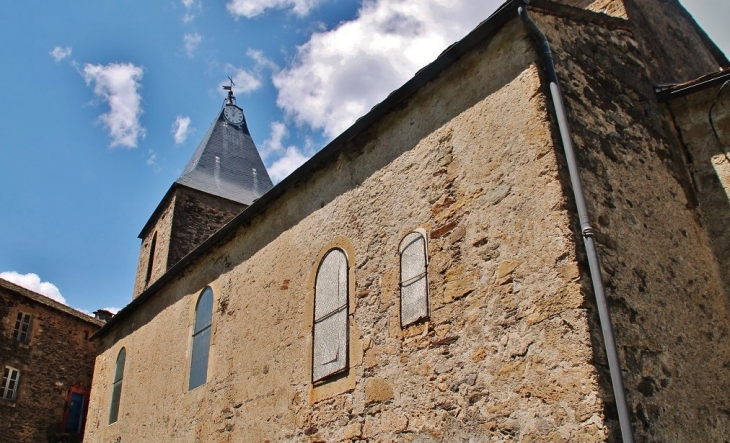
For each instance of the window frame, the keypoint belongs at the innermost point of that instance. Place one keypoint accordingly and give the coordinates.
(6, 380)
(194, 349)
(346, 307)
(421, 234)
(116, 398)
(20, 321)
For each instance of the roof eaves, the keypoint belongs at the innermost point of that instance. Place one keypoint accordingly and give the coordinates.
(666, 92)
(42, 299)
(484, 30)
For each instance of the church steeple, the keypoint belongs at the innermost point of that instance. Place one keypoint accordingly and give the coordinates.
(227, 163)
(224, 176)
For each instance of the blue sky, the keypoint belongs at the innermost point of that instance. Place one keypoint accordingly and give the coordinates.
(105, 101)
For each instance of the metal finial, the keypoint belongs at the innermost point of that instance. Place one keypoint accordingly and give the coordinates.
(231, 99)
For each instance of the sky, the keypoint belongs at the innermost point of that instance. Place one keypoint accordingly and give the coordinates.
(105, 101)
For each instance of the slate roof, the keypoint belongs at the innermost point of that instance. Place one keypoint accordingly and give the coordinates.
(42, 299)
(224, 164)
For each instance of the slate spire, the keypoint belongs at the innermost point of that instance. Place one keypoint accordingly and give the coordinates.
(227, 163)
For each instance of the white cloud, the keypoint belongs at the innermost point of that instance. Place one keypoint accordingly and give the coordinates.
(33, 282)
(338, 75)
(245, 81)
(191, 10)
(181, 129)
(252, 8)
(191, 41)
(274, 143)
(262, 62)
(118, 85)
(58, 53)
(112, 310)
(284, 166)
(152, 158)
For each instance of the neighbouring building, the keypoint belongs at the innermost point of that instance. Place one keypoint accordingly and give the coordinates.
(424, 276)
(47, 362)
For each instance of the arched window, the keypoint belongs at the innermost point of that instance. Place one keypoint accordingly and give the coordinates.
(117, 387)
(413, 279)
(330, 351)
(201, 339)
(151, 259)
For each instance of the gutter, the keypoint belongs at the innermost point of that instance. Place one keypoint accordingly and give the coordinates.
(585, 226)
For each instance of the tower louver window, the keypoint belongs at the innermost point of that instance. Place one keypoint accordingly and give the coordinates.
(413, 279)
(201, 339)
(330, 354)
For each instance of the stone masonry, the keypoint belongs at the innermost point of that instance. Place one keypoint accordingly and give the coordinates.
(187, 219)
(56, 356)
(512, 349)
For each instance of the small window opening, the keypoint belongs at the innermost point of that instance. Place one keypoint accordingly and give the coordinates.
(9, 388)
(151, 260)
(117, 387)
(330, 353)
(22, 327)
(413, 279)
(201, 339)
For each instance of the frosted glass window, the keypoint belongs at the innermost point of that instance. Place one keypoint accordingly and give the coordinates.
(330, 316)
(201, 339)
(413, 279)
(117, 387)
(9, 388)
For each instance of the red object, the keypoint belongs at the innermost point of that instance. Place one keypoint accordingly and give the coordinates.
(74, 413)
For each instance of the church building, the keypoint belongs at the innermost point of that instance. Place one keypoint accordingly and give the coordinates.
(527, 241)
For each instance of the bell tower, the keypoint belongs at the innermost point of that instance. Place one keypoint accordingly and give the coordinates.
(224, 176)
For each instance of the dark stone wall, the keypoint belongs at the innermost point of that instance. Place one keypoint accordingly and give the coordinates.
(56, 357)
(708, 158)
(675, 49)
(197, 215)
(663, 284)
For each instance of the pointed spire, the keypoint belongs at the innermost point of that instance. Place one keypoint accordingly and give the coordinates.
(227, 163)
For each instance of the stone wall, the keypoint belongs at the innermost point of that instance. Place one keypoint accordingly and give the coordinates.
(506, 353)
(189, 217)
(161, 230)
(674, 47)
(512, 348)
(708, 155)
(56, 357)
(663, 282)
(197, 216)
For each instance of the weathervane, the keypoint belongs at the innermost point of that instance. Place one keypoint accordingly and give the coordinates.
(229, 88)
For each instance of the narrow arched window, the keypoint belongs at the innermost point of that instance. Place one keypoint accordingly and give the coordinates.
(117, 387)
(330, 351)
(151, 258)
(201, 339)
(413, 279)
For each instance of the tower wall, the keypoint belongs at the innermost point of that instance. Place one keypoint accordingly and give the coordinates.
(197, 216)
(160, 228)
(187, 219)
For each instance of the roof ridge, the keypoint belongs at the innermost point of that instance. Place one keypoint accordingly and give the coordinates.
(48, 301)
